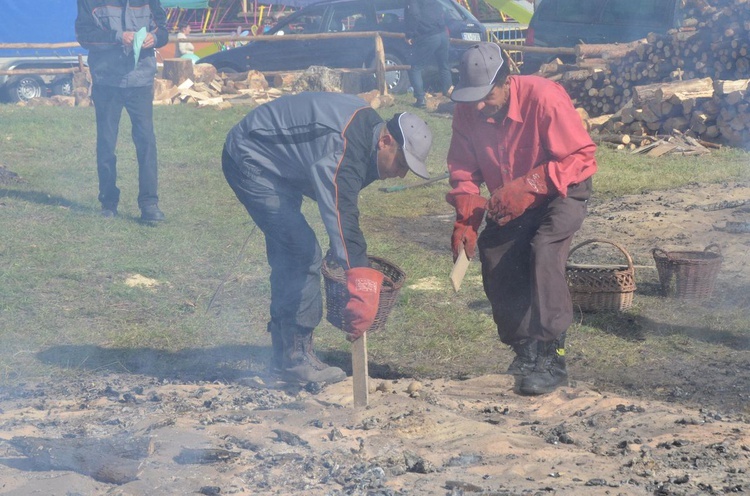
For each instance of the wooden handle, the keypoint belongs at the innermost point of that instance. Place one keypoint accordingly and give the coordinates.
(628, 258)
(359, 371)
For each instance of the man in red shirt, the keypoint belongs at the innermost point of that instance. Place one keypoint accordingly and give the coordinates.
(521, 136)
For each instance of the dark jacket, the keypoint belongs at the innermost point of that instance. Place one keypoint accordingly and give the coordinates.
(99, 28)
(322, 145)
(423, 18)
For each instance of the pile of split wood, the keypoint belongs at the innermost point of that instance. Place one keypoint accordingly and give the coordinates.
(202, 85)
(656, 145)
(692, 80)
(180, 81)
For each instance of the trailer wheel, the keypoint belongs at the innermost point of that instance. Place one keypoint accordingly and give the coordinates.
(397, 81)
(62, 86)
(24, 88)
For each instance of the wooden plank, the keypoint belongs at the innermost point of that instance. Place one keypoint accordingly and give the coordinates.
(648, 147)
(459, 270)
(359, 371)
(380, 66)
(661, 149)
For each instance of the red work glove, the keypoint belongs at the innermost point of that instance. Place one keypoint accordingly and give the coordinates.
(364, 286)
(519, 195)
(469, 215)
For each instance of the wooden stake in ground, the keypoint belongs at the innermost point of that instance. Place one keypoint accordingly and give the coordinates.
(359, 371)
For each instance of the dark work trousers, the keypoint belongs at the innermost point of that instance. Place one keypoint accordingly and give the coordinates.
(292, 249)
(109, 102)
(433, 47)
(523, 268)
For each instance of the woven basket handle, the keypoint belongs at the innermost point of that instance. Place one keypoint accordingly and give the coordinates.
(595, 240)
(713, 247)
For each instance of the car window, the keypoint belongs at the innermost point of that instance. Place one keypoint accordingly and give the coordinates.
(637, 12)
(580, 11)
(390, 15)
(351, 17)
(310, 23)
(450, 11)
(395, 7)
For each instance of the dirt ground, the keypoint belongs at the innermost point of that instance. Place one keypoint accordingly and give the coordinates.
(432, 437)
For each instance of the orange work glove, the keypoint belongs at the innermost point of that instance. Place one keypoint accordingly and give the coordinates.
(513, 199)
(469, 215)
(364, 286)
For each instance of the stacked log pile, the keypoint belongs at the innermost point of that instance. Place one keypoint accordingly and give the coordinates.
(691, 80)
(703, 108)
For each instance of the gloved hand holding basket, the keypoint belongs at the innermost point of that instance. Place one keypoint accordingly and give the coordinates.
(361, 299)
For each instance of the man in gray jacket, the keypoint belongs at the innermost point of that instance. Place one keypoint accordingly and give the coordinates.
(328, 147)
(121, 36)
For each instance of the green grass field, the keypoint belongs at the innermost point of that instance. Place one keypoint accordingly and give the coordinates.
(67, 299)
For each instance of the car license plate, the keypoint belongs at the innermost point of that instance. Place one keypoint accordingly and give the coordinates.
(471, 37)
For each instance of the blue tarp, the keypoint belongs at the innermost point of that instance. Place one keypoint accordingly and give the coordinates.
(38, 21)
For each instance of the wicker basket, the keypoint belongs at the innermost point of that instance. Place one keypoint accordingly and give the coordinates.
(337, 295)
(689, 275)
(595, 288)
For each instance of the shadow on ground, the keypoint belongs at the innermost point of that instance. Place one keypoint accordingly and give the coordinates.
(42, 198)
(223, 363)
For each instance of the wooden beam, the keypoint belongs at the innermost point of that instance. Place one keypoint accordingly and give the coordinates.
(380, 65)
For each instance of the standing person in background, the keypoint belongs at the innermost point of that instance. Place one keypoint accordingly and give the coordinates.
(184, 48)
(327, 147)
(426, 31)
(522, 137)
(121, 36)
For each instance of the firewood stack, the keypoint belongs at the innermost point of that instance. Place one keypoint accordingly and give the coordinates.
(691, 80)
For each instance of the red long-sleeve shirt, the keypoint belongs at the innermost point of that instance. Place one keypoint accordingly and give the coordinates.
(541, 127)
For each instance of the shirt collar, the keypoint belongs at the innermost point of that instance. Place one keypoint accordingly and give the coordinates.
(514, 106)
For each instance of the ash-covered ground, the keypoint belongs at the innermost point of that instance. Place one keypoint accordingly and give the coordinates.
(437, 437)
(130, 434)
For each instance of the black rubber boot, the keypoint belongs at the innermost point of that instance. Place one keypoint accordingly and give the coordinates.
(525, 359)
(300, 364)
(549, 371)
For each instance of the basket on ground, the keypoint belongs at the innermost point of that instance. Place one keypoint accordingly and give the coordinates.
(689, 275)
(596, 288)
(337, 295)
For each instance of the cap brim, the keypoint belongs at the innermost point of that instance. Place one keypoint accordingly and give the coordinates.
(471, 93)
(416, 165)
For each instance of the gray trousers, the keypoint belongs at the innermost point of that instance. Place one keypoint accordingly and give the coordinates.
(109, 102)
(292, 249)
(523, 267)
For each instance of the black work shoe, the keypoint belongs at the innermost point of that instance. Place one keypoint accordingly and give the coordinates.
(525, 359)
(301, 364)
(549, 371)
(109, 213)
(420, 104)
(151, 213)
